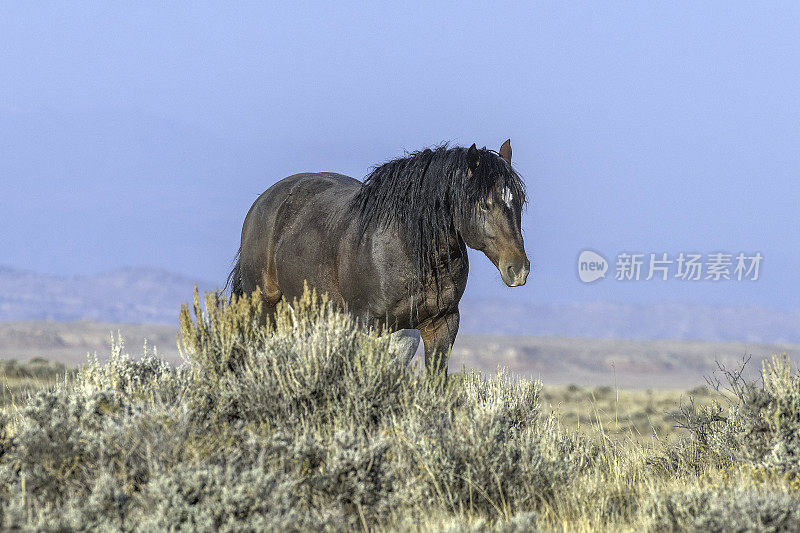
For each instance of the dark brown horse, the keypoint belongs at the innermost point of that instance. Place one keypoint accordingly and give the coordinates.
(393, 249)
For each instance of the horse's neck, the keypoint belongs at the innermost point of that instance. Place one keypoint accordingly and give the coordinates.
(451, 248)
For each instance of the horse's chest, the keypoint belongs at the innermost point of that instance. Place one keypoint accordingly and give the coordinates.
(444, 294)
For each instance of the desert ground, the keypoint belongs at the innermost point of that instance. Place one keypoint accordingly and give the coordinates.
(584, 362)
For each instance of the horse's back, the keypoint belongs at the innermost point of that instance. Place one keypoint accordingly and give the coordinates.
(305, 184)
(318, 181)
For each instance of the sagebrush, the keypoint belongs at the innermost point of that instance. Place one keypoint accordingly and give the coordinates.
(311, 422)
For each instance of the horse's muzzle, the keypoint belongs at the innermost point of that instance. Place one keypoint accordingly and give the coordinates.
(515, 273)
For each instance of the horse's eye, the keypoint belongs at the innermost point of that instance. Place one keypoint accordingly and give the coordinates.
(483, 204)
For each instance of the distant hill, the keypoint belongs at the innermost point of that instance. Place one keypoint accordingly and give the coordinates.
(629, 321)
(132, 295)
(149, 295)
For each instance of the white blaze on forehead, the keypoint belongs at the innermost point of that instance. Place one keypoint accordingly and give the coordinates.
(507, 196)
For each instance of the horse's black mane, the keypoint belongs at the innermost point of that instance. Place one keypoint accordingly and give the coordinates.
(426, 193)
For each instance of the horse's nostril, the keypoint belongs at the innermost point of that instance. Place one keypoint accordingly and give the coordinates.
(511, 273)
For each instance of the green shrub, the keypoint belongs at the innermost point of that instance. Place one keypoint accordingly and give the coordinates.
(36, 368)
(712, 509)
(760, 426)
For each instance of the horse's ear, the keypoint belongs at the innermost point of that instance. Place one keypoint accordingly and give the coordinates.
(505, 151)
(473, 158)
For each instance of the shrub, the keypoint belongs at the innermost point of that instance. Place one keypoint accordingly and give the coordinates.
(36, 368)
(760, 426)
(712, 509)
(492, 452)
(306, 420)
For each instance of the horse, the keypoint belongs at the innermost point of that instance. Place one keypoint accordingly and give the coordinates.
(391, 250)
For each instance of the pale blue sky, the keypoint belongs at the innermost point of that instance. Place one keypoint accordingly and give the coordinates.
(140, 134)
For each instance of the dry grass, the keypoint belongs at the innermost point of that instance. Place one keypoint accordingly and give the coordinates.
(644, 416)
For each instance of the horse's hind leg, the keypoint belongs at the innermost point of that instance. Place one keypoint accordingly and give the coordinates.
(266, 281)
(270, 295)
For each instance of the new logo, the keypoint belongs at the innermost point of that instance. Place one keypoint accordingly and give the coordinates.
(591, 266)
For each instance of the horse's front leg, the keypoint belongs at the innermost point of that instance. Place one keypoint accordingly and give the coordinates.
(439, 333)
(404, 344)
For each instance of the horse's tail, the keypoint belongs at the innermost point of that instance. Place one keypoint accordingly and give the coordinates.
(235, 277)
